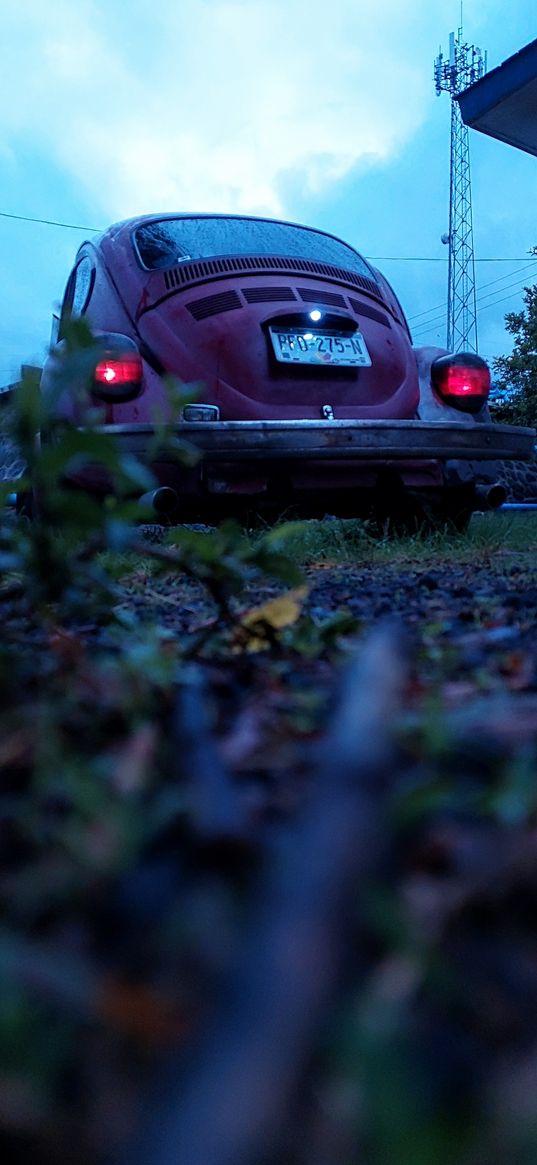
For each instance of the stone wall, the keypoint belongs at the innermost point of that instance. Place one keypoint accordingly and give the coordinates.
(11, 462)
(519, 479)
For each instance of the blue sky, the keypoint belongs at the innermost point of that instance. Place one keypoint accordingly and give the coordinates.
(324, 114)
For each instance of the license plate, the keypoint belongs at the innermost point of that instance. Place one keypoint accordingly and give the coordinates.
(300, 346)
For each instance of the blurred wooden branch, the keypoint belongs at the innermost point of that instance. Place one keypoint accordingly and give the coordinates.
(230, 1106)
(215, 806)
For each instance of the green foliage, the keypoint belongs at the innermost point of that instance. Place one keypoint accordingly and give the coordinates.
(54, 556)
(88, 687)
(517, 373)
(122, 909)
(340, 541)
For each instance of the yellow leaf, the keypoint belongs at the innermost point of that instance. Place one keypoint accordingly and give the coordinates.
(260, 622)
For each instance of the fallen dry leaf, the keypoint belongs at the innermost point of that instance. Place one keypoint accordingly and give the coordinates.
(261, 622)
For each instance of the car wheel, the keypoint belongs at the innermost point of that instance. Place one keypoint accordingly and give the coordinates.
(409, 513)
(445, 518)
(451, 510)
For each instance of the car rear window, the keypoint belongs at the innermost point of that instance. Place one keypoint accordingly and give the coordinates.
(167, 242)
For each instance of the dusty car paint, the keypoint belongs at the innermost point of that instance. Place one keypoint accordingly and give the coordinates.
(206, 320)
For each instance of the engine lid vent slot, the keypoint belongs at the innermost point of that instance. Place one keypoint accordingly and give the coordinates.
(212, 305)
(310, 295)
(199, 271)
(268, 294)
(363, 309)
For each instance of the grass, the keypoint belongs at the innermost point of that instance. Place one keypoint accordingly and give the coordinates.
(339, 542)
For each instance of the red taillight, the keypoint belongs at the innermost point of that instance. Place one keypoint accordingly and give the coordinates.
(462, 381)
(118, 376)
(118, 371)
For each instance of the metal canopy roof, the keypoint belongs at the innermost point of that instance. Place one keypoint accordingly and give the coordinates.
(503, 103)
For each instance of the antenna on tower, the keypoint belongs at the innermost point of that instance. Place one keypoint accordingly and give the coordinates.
(464, 66)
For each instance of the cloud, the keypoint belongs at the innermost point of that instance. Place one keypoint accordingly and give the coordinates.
(209, 104)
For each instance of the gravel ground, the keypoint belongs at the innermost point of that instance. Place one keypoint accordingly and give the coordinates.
(471, 631)
(501, 588)
(127, 873)
(135, 821)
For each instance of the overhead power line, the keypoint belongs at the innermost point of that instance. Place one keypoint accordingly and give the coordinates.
(442, 259)
(500, 279)
(49, 222)
(430, 325)
(70, 226)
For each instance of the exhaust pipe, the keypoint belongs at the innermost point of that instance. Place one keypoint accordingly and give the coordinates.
(491, 497)
(163, 500)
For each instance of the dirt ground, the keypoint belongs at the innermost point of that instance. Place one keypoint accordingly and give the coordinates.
(195, 887)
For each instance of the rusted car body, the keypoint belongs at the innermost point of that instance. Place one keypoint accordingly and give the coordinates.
(310, 396)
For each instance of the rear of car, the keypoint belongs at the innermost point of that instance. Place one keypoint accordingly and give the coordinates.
(309, 393)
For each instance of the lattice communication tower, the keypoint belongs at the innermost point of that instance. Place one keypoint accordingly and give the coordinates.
(465, 65)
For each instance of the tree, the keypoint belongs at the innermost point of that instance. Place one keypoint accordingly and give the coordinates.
(517, 374)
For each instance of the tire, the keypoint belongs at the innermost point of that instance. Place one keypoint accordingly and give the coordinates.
(457, 520)
(448, 510)
(452, 509)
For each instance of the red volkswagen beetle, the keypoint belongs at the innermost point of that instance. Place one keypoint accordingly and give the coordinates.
(310, 397)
